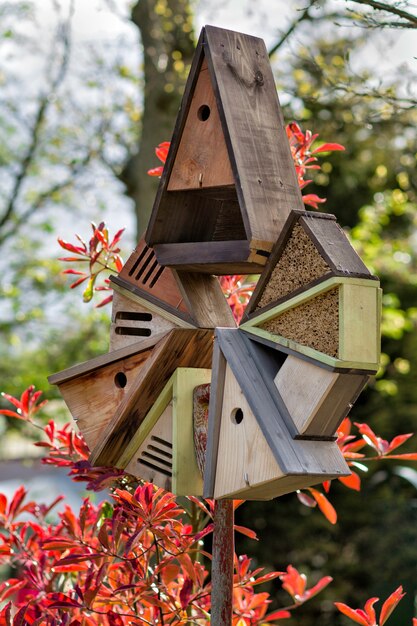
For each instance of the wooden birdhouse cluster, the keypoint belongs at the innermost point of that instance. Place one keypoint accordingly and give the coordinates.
(184, 398)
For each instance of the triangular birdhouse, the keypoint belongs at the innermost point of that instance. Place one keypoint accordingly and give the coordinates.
(162, 450)
(182, 298)
(251, 451)
(191, 348)
(229, 181)
(311, 248)
(94, 390)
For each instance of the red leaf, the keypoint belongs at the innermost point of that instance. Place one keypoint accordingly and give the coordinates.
(390, 604)
(408, 456)
(328, 147)
(246, 531)
(185, 593)
(351, 482)
(104, 302)
(313, 200)
(276, 615)
(351, 613)
(324, 505)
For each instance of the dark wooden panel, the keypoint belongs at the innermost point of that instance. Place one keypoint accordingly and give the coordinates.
(214, 257)
(179, 348)
(254, 128)
(214, 419)
(332, 243)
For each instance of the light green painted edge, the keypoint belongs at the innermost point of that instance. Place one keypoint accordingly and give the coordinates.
(311, 352)
(374, 325)
(152, 307)
(303, 297)
(148, 423)
(186, 477)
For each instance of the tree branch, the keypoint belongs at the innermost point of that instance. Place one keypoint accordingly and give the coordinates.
(305, 15)
(63, 33)
(382, 6)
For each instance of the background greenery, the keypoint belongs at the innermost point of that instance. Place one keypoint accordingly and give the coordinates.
(78, 126)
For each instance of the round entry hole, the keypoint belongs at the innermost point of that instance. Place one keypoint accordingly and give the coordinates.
(120, 380)
(203, 113)
(237, 416)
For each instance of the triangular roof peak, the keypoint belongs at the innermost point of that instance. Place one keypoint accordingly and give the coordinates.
(229, 182)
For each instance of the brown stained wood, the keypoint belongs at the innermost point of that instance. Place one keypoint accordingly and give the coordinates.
(254, 127)
(179, 348)
(201, 160)
(217, 257)
(104, 359)
(132, 323)
(143, 271)
(253, 208)
(94, 397)
(153, 460)
(205, 300)
(322, 400)
(201, 399)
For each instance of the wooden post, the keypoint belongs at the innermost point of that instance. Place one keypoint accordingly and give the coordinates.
(222, 564)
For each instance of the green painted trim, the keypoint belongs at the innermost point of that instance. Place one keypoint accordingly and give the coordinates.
(148, 423)
(311, 352)
(186, 477)
(303, 297)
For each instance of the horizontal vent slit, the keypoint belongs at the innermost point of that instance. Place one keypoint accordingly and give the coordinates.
(149, 274)
(153, 457)
(161, 441)
(138, 260)
(137, 332)
(156, 277)
(145, 264)
(159, 451)
(133, 315)
(154, 467)
(263, 253)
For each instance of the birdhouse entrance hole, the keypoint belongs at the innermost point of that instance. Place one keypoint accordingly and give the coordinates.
(120, 380)
(203, 113)
(237, 416)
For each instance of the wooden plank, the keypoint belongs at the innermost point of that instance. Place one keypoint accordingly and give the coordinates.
(132, 323)
(179, 348)
(291, 457)
(205, 300)
(155, 305)
(201, 160)
(333, 244)
(254, 128)
(153, 460)
(212, 257)
(360, 333)
(319, 404)
(93, 397)
(143, 271)
(214, 418)
(187, 479)
(103, 359)
(244, 457)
